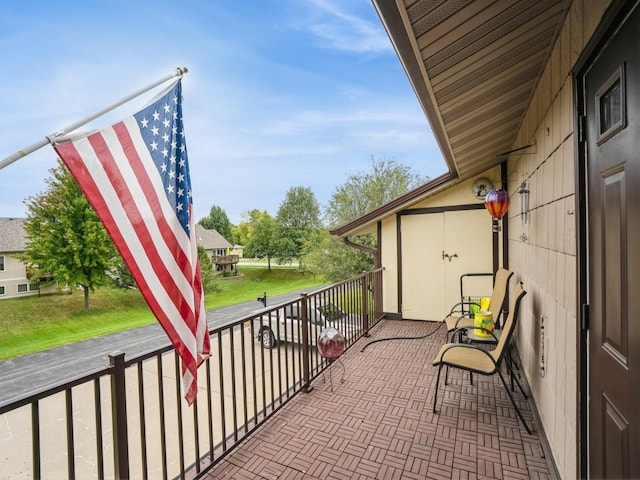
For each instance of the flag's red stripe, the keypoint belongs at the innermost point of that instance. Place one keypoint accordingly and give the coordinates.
(169, 237)
(146, 184)
(135, 218)
(73, 159)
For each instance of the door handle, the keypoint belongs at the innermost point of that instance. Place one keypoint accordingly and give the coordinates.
(446, 255)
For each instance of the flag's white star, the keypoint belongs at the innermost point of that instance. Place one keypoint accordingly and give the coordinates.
(144, 122)
(154, 146)
(156, 116)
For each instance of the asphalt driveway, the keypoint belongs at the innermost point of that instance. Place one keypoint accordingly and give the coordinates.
(30, 373)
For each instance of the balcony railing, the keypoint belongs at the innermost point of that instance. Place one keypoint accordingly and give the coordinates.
(129, 420)
(225, 259)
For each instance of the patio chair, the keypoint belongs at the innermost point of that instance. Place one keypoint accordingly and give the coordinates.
(475, 359)
(459, 320)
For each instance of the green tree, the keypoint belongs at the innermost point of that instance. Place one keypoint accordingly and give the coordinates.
(299, 209)
(262, 243)
(360, 194)
(327, 256)
(244, 230)
(366, 191)
(298, 216)
(207, 273)
(219, 221)
(66, 238)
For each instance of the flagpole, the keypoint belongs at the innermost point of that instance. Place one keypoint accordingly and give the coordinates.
(180, 71)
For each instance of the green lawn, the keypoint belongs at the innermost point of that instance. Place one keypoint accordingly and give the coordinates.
(33, 324)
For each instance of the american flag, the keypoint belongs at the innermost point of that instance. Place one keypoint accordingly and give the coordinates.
(136, 175)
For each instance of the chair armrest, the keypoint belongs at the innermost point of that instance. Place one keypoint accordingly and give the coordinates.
(458, 330)
(460, 304)
(490, 332)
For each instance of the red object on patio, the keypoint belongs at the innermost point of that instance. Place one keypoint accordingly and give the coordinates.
(497, 203)
(331, 343)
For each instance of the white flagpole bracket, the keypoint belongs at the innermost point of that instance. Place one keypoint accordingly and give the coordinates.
(49, 139)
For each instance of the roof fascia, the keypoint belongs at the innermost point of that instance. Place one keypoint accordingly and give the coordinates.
(393, 206)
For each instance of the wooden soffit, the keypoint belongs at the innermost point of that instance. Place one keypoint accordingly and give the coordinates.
(474, 65)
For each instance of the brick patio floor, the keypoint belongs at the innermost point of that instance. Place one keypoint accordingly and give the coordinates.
(379, 423)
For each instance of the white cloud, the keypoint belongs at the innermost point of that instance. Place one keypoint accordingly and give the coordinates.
(345, 31)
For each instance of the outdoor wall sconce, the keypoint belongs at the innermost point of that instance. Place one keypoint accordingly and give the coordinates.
(497, 203)
(524, 202)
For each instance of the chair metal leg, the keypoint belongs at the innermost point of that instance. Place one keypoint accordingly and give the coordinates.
(435, 395)
(513, 401)
(513, 377)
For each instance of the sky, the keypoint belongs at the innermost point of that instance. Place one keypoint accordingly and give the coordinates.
(279, 93)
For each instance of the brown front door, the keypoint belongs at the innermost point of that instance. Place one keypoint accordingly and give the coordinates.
(612, 106)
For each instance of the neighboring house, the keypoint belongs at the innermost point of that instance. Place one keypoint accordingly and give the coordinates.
(546, 93)
(238, 250)
(218, 248)
(13, 272)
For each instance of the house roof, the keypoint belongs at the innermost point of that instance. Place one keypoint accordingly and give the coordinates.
(13, 238)
(474, 66)
(210, 239)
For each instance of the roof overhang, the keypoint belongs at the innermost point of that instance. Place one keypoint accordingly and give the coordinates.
(474, 66)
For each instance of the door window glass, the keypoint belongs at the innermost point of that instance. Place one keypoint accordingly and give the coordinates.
(610, 106)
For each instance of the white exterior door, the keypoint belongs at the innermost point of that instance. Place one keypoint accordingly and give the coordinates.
(437, 248)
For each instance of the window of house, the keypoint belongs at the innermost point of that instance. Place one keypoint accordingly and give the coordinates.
(27, 287)
(1, 263)
(2, 290)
